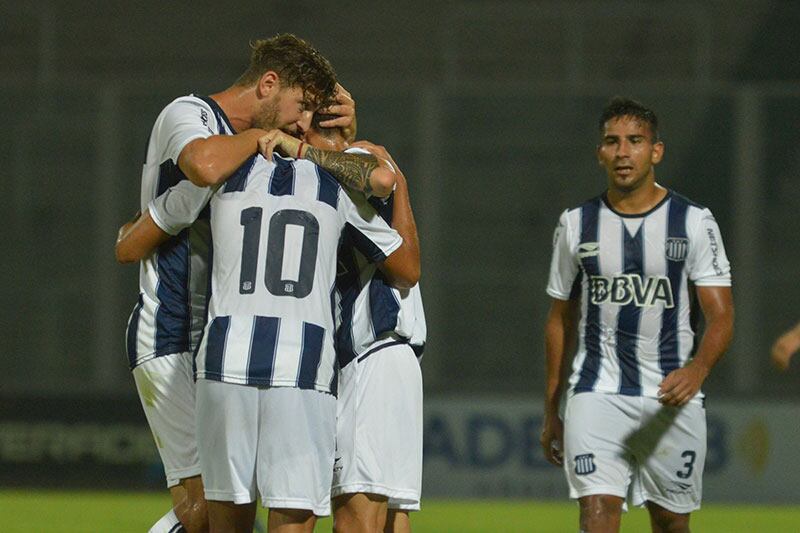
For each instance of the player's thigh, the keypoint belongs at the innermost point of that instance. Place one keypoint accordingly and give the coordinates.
(296, 443)
(671, 457)
(166, 389)
(596, 457)
(379, 427)
(227, 437)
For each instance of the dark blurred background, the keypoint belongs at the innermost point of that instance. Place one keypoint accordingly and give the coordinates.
(491, 110)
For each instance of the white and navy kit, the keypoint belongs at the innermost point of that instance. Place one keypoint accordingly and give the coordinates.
(370, 308)
(266, 366)
(169, 315)
(634, 275)
(167, 320)
(276, 231)
(379, 422)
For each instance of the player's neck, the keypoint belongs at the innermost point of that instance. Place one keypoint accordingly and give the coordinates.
(237, 103)
(640, 200)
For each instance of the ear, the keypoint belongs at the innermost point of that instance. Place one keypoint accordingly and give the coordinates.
(658, 153)
(597, 155)
(268, 83)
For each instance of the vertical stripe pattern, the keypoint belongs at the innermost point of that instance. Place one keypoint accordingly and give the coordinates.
(668, 346)
(263, 346)
(215, 346)
(310, 355)
(629, 314)
(590, 232)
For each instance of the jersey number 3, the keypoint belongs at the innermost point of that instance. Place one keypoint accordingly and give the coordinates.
(286, 222)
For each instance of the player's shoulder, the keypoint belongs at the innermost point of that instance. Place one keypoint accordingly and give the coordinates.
(573, 214)
(681, 199)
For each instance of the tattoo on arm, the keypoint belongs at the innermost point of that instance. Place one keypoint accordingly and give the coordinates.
(352, 170)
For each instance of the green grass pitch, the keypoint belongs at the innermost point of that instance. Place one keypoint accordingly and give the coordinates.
(120, 512)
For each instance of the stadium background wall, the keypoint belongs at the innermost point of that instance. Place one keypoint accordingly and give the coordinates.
(489, 109)
(475, 447)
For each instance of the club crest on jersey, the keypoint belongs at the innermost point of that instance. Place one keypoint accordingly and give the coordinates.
(584, 464)
(588, 249)
(676, 248)
(626, 288)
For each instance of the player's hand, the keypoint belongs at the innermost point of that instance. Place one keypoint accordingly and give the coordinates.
(280, 141)
(681, 384)
(378, 151)
(552, 439)
(345, 107)
(784, 348)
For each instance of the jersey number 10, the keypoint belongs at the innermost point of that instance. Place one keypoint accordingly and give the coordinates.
(276, 249)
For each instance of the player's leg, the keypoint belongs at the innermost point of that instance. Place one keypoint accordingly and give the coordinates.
(397, 521)
(671, 449)
(189, 503)
(167, 392)
(359, 513)
(291, 521)
(379, 438)
(227, 436)
(225, 517)
(665, 521)
(296, 442)
(600, 513)
(597, 461)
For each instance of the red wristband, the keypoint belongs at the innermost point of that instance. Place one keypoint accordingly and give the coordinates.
(299, 149)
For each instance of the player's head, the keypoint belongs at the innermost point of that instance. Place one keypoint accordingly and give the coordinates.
(629, 147)
(290, 78)
(325, 138)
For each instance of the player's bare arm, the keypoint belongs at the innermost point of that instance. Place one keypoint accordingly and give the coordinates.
(360, 172)
(560, 336)
(402, 267)
(345, 107)
(785, 347)
(682, 384)
(212, 160)
(138, 238)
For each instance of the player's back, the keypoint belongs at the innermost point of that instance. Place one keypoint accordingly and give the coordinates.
(370, 308)
(275, 232)
(169, 314)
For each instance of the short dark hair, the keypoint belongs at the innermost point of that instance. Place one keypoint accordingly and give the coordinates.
(296, 62)
(325, 132)
(620, 106)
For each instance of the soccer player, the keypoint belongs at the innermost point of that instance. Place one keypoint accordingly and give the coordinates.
(266, 367)
(378, 467)
(632, 263)
(210, 137)
(785, 347)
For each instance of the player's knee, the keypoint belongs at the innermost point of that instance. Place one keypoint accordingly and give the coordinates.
(195, 515)
(598, 510)
(664, 521)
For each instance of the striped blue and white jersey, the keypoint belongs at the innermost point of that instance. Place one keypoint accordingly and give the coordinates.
(276, 230)
(634, 274)
(370, 309)
(170, 312)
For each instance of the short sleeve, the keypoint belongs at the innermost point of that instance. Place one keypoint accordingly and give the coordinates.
(183, 121)
(564, 267)
(707, 264)
(179, 206)
(370, 234)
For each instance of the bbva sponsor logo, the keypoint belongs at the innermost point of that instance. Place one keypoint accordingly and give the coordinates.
(626, 288)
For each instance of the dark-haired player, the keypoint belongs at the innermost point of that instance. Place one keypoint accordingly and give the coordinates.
(632, 263)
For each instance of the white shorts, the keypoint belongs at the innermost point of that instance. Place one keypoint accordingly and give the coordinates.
(278, 441)
(167, 391)
(379, 427)
(611, 440)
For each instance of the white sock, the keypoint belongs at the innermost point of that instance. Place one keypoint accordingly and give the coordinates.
(168, 523)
